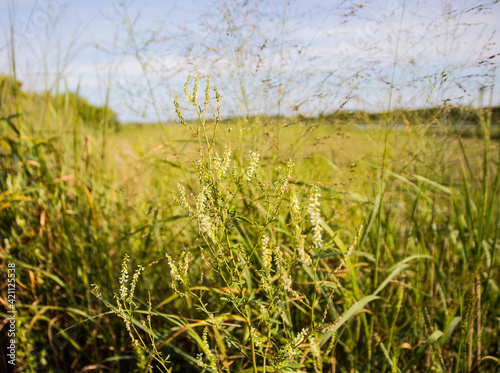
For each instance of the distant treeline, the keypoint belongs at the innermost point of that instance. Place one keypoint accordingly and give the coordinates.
(453, 115)
(14, 98)
(96, 116)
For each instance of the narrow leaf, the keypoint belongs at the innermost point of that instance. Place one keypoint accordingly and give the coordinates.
(414, 360)
(346, 316)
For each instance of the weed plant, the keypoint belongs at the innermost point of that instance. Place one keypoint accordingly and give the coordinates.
(260, 278)
(269, 282)
(253, 244)
(254, 259)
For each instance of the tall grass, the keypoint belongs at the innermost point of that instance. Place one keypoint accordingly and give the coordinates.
(428, 247)
(237, 273)
(252, 244)
(254, 271)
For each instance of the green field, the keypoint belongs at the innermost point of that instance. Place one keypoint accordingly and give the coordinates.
(336, 249)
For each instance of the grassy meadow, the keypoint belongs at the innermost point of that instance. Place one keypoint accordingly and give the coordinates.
(250, 244)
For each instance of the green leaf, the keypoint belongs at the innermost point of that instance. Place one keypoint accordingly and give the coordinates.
(294, 365)
(251, 297)
(434, 184)
(414, 360)
(346, 316)
(410, 258)
(398, 268)
(244, 219)
(451, 327)
(9, 122)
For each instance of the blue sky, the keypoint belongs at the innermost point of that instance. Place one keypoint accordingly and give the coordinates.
(286, 56)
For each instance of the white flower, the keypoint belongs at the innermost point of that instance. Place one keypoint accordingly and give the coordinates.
(227, 159)
(179, 270)
(174, 271)
(267, 255)
(254, 162)
(203, 219)
(258, 342)
(315, 216)
(199, 360)
(300, 337)
(206, 349)
(124, 278)
(206, 226)
(287, 282)
(292, 348)
(135, 279)
(314, 347)
(264, 312)
(267, 259)
(294, 204)
(222, 165)
(182, 198)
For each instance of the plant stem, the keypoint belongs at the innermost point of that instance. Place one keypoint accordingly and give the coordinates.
(254, 362)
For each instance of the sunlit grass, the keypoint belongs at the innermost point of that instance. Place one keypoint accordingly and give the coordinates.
(75, 201)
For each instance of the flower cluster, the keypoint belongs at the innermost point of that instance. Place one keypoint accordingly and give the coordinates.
(294, 206)
(135, 279)
(295, 212)
(208, 353)
(128, 326)
(349, 251)
(207, 94)
(266, 254)
(254, 162)
(222, 165)
(174, 271)
(303, 255)
(315, 217)
(292, 349)
(182, 197)
(203, 219)
(179, 270)
(267, 259)
(124, 278)
(288, 175)
(179, 114)
(314, 347)
(256, 338)
(194, 96)
(285, 275)
(218, 99)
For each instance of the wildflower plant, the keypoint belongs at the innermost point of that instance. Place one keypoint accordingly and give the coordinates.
(127, 310)
(260, 276)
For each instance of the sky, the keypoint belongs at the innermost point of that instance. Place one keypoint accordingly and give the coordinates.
(270, 57)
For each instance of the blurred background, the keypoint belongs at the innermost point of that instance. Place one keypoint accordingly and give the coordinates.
(266, 57)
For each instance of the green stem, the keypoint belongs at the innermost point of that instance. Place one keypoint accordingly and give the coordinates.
(254, 362)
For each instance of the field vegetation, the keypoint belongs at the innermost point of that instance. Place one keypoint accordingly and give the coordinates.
(347, 241)
(340, 249)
